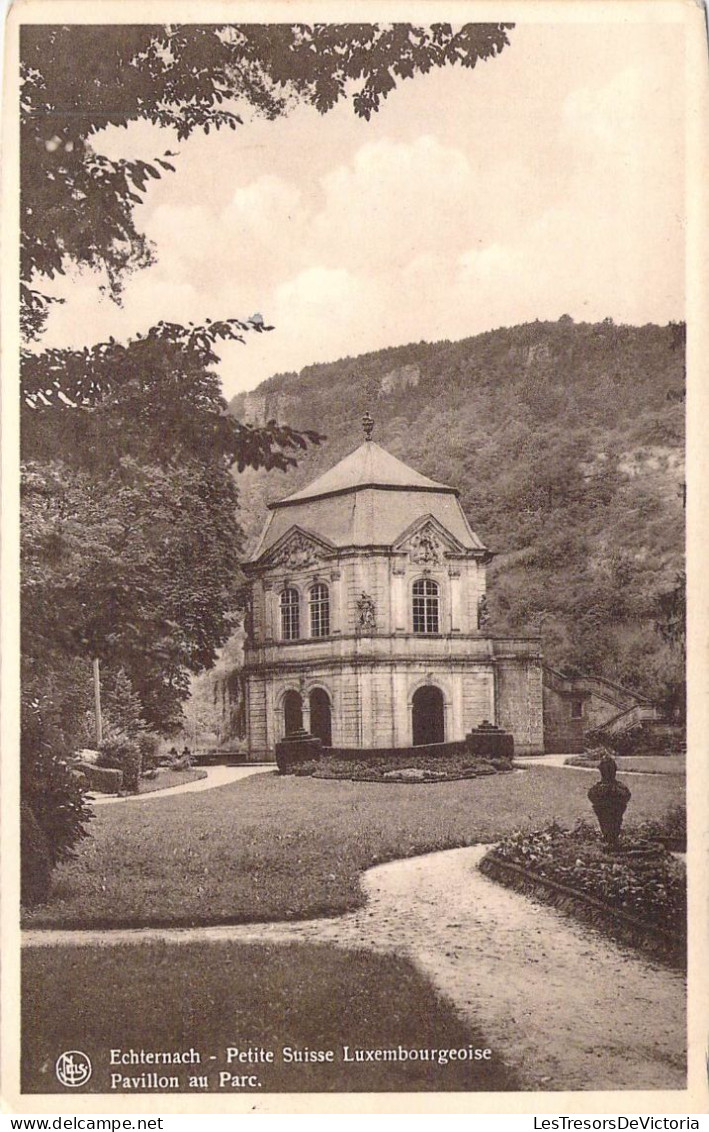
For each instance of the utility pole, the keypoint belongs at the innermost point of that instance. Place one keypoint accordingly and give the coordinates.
(97, 703)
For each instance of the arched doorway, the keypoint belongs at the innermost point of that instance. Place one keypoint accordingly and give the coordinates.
(428, 717)
(321, 716)
(292, 712)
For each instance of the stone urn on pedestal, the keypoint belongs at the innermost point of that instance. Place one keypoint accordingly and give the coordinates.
(609, 800)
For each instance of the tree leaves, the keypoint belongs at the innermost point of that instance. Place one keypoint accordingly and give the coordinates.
(139, 568)
(77, 205)
(130, 543)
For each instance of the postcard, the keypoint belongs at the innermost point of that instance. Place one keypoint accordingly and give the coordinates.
(353, 474)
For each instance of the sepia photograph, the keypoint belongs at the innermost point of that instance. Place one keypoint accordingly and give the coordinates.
(351, 749)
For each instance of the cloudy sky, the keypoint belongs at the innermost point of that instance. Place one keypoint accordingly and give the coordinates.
(546, 181)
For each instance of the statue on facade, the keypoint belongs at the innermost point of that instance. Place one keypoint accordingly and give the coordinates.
(483, 612)
(366, 614)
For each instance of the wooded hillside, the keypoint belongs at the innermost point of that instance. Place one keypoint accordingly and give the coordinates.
(567, 444)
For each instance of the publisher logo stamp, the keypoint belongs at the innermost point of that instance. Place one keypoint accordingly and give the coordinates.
(73, 1068)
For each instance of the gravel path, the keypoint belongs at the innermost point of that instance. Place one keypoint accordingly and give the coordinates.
(216, 776)
(566, 1008)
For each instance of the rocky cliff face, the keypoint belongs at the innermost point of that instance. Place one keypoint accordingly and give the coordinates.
(258, 407)
(406, 377)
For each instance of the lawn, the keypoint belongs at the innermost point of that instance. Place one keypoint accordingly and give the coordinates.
(166, 778)
(275, 848)
(229, 995)
(649, 764)
(654, 764)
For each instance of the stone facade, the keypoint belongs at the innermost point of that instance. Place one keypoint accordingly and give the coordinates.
(574, 705)
(368, 622)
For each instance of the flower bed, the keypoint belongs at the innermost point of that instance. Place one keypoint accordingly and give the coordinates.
(671, 830)
(405, 766)
(638, 898)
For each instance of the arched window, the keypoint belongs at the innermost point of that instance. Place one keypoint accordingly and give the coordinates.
(319, 610)
(290, 614)
(425, 606)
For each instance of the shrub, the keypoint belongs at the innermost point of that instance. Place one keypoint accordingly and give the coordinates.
(648, 738)
(132, 766)
(51, 790)
(149, 745)
(122, 708)
(105, 779)
(110, 751)
(36, 860)
(671, 829)
(122, 752)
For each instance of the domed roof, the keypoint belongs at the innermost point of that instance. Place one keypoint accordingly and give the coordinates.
(370, 465)
(368, 499)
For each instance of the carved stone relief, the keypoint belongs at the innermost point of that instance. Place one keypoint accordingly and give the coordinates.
(297, 554)
(426, 548)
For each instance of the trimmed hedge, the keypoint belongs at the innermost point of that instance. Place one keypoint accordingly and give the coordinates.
(375, 754)
(122, 752)
(297, 749)
(489, 742)
(107, 780)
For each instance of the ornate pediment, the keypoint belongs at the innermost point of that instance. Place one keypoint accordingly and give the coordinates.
(428, 543)
(297, 550)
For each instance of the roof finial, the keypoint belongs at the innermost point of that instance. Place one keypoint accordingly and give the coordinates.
(368, 425)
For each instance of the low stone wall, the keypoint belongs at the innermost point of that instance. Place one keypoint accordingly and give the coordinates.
(620, 925)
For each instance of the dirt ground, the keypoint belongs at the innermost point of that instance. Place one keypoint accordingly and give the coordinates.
(567, 1008)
